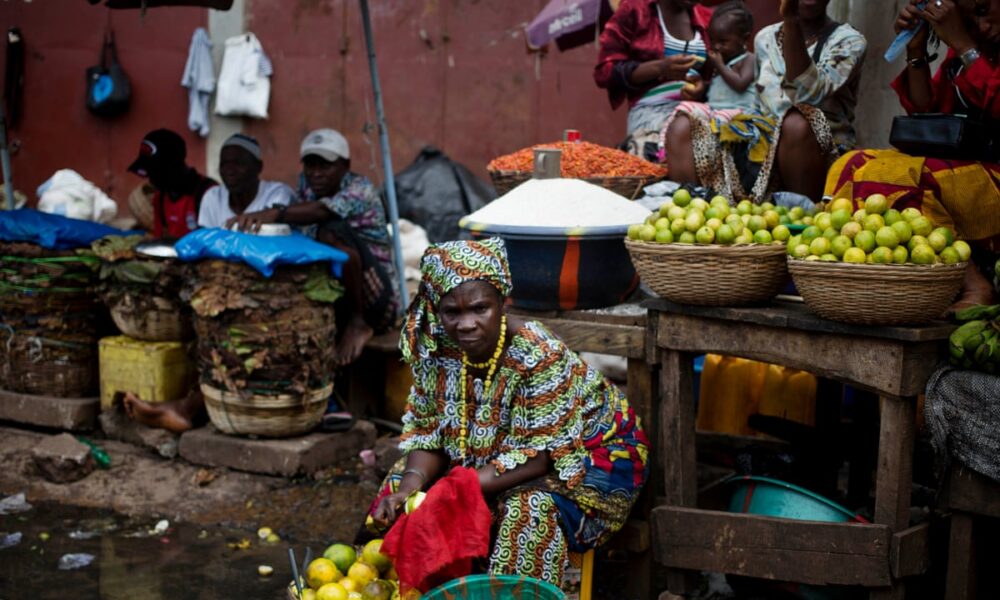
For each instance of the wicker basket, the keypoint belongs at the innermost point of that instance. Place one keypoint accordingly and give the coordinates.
(865, 294)
(629, 187)
(711, 275)
(166, 323)
(279, 416)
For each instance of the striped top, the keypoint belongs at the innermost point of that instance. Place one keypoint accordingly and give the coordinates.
(670, 91)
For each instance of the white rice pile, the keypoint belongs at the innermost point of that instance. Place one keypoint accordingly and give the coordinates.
(560, 203)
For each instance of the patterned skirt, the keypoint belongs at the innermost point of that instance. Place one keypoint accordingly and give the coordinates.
(539, 522)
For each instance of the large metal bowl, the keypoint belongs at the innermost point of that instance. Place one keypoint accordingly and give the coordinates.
(564, 268)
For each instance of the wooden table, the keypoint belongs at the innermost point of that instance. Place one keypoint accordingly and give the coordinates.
(892, 362)
(970, 497)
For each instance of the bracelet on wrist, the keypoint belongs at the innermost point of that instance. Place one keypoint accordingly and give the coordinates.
(418, 473)
(921, 61)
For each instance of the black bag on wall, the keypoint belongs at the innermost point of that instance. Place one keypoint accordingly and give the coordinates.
(108, 90)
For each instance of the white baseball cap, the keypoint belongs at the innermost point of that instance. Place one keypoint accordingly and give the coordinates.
(328, 144)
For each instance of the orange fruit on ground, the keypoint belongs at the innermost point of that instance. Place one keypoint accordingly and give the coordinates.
(331, 591)
(321, 572)
(362, 573)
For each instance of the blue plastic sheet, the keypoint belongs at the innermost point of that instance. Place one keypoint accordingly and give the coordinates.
(263, 253)
(54, 232)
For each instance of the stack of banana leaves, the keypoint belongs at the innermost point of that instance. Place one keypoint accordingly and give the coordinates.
(976, 342)
(264, 336)
(134, 285)
(50, 320)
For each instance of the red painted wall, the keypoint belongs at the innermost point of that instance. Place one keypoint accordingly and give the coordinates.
(63, 38)
(455, 74)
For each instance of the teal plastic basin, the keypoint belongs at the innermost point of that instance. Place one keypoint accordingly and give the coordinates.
(495, 587)
(776, 498)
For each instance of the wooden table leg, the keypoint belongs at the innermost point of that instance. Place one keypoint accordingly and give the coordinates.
(895, 473)
(961, 559)
(641, 396)
(677, 444)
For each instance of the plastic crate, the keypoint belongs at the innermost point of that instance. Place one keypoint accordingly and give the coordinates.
(481, 587)
(155, 371)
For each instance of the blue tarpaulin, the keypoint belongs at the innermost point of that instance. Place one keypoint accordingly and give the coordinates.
(54, 232)
(263, 253)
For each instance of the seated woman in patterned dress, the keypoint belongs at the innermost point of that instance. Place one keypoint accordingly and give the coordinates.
(554, 442)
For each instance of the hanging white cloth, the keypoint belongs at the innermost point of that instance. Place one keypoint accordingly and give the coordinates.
(244, 80)
(199, 79)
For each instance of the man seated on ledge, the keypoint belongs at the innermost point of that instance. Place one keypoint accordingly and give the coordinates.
(343, 209)
(243, 191)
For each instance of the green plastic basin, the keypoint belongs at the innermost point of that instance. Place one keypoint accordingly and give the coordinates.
(495, 587)
(776, 498)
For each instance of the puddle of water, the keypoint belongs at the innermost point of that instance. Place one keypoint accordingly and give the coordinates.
(186, 562)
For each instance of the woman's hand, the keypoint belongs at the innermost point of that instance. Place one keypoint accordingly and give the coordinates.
(389, 509)
(947, 23)
(909, 18)
(675, 68)
(251, 222)
(694, 89)
(789, 9)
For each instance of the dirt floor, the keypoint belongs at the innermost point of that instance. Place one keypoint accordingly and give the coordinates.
(142, 484)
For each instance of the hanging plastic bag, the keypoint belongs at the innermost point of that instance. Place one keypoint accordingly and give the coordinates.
(68, 194)
(108, 89)
(244, 87)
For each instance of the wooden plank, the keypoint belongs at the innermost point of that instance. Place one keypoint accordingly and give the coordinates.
(632, 537)
(971, 492)
(618, 340)
(797, 316)
(961, 579)
(629, 313)
(884, 366)
(895, 462)
(677, 436)
(909, 553)
(769, 548)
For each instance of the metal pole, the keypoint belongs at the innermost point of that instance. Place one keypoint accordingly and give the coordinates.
(390, 177)
(8, 182)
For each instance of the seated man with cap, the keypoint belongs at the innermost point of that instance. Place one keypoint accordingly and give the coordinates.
(243, 191)
(343, 209)
(179, 188)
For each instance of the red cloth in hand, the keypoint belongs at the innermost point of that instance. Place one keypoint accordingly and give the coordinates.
(437, 542)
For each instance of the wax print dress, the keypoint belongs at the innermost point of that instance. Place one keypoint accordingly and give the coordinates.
(543, 398)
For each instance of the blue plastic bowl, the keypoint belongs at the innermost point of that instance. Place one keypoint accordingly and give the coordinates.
(495, 587)
(564, 268)
(775, 498)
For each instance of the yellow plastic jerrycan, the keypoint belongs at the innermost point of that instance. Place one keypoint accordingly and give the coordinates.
(789, 394)
(730, 393)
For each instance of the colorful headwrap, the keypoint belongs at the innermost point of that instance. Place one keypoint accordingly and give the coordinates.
(443, 268)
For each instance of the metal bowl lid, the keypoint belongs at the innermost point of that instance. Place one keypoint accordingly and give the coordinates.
(157, 249)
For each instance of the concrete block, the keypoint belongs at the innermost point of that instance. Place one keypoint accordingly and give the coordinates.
(302, 455)
(117, 426)
(63, 459)
(72, 414)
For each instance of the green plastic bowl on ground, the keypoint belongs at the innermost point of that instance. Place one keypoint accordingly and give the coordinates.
(495, 587)
(776, 498)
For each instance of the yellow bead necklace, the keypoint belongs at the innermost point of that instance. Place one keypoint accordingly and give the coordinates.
(491, 366)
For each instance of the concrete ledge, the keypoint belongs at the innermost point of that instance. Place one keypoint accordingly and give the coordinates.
(283, 457)
(73, 414)
(117, 426)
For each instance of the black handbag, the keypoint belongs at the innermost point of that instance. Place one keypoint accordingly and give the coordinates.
(108, 89)
(936, 135)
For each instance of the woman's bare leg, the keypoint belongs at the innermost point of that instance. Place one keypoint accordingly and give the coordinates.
(801, 165)
(680, 151)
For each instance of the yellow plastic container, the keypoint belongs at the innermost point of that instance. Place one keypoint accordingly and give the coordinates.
(155, 371)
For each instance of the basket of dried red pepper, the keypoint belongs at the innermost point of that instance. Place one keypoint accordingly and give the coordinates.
(609, 168)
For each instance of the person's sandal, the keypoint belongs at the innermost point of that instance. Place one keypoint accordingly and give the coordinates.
(337, 421)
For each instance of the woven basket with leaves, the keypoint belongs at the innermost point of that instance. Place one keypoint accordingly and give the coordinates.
(865, 294)
(265, 415)
(629, 187)
(710, 275)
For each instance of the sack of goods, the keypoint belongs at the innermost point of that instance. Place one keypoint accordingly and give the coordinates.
(49, 320)
(265, 345)
(142, 290)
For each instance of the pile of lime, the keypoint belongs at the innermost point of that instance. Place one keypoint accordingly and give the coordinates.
(687, 220)
(345, 573)
(876, 234)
